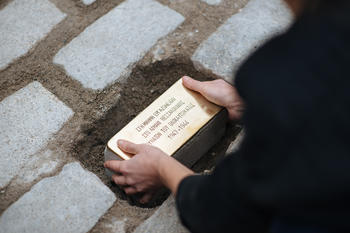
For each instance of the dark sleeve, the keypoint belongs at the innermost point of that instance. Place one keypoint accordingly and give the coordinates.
(294, 161)
(212, 203)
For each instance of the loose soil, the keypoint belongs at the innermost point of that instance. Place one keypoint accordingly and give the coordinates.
(144, 85)
(100, 114)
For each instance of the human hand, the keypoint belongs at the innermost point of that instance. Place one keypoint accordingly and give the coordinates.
(218, 92)
(140, 174)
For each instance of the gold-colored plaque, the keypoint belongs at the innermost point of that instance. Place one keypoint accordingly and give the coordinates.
(169, 122)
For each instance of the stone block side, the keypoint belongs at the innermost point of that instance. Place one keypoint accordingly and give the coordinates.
(203, 140)
(28, 119)
(107, 49)
(225, 50)
(24, 23)
(72, 201)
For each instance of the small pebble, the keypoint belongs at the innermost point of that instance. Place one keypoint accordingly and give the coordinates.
(161, 52)
(179, 43)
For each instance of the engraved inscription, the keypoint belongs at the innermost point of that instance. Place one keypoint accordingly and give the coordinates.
(169, 121)
(166, 118)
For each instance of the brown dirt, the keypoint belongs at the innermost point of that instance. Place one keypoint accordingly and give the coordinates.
(3, 3)
(100, 114)
(143, 86)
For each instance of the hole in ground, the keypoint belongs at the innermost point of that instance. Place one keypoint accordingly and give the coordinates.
(144, 85)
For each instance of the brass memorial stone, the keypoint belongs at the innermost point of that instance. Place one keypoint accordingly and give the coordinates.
(169, 122)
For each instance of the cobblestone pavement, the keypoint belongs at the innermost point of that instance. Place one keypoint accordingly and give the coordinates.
(74, 72)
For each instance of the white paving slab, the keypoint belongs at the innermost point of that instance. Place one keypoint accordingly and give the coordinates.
(212, 2)
(225, 50)
(37, 165)
(88, 2)
(28, 119)
(165, 219)
(73, 201)
(107, 49)
(22, 24)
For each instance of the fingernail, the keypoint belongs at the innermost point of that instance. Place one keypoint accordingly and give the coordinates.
(105, 164)
(120, 142)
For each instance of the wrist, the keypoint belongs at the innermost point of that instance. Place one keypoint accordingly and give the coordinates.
(171, 172)
(161, 168)
(235, 113)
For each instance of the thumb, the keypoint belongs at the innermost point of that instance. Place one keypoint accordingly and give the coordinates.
(128, 147)
(192, 84)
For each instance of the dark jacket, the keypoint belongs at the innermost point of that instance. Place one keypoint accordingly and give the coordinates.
(294, 163)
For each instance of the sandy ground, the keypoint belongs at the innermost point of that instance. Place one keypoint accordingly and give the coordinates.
(99, 115)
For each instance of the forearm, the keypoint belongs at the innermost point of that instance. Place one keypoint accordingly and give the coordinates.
(172, 172)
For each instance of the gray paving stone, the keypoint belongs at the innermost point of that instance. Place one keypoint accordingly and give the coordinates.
(165, 219)
(72, 201)
(225, 50)
(212, 2)
(23, 24)
(88, 2)
(28, 119)
(39, 164)
(107, 49)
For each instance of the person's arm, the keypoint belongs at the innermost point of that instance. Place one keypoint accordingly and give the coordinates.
(219, 202)
(172, 173)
